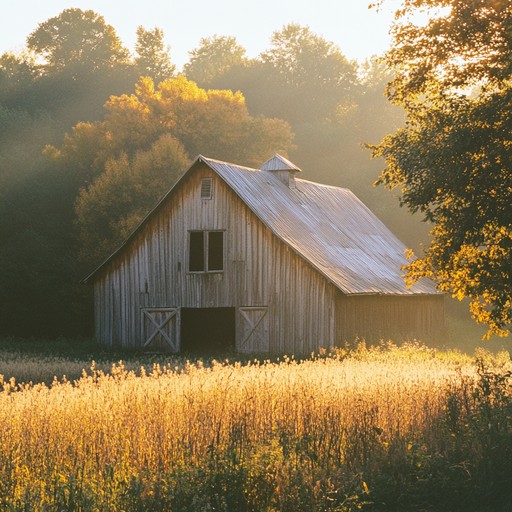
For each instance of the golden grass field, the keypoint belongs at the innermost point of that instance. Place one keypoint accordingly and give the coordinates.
(338, 431)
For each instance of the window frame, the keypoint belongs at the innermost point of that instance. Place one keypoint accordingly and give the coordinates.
(206, 256)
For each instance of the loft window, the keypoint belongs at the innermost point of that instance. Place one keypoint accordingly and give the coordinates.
(206, 251)
(215, 260)
(196, 252)
(206, 188)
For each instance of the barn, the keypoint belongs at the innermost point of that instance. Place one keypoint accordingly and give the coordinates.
(258, 260)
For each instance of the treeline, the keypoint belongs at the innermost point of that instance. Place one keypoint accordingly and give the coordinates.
(91, 136)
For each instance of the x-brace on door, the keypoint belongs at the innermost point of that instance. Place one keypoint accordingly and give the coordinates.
(161, 329)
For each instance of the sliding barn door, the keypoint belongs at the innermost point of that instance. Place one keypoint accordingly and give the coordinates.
(252, 329)
(161, 329)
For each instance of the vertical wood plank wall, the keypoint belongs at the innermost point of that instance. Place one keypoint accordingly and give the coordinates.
(259, 270)
(396, 318)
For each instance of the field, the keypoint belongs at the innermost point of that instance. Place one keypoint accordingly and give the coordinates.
(380, 429)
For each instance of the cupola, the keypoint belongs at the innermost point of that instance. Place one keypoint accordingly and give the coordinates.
(282, 168)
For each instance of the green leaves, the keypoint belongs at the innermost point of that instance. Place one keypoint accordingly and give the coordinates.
(114, 204)
(305, 67)
(77, 37)
(453, 160)
(214, 57)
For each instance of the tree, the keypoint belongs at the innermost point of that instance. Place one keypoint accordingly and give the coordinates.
(300, 57)
(71, 65)
(214, 57)
(309, 71)
(453, 159)
(375, 115)
(153, 56)
(16, 72)
(79, 39)
(114, 204)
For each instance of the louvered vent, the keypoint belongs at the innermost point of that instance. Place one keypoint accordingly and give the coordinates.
(206, 188)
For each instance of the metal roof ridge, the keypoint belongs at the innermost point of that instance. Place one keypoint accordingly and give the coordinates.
(208, 160)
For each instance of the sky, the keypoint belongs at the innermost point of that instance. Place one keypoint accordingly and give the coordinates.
(358, 31)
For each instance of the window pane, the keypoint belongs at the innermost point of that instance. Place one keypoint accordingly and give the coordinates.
(196, 252)
(215, 250)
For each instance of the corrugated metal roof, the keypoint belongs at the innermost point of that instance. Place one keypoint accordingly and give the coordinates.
(329, 227)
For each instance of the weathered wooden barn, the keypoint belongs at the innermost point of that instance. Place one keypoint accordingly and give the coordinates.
(258, 260)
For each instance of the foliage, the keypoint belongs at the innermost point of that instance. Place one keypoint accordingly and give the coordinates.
(22, 135)
(215, 122)
(153, 58)
(16, 71)
(115, 203)
(214, 57)
(296, 52)
(452, 159)
(380, 429)
(72, 64)
(315, 70)
(77, 38)
(40, 269)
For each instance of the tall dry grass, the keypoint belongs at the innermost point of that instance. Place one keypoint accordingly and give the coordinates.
(328, 433)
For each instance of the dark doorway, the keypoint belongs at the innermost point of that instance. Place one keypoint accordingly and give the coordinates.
(207, 331)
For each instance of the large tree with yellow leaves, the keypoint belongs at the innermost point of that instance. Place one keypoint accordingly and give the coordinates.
(453, 159)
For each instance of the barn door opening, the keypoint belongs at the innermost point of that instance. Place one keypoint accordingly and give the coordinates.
(253, 329)
(161, 329)
(207, 331)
